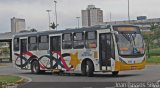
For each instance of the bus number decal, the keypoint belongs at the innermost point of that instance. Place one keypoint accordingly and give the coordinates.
(87, 53)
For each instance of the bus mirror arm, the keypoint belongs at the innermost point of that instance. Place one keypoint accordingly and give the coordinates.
(114, 32)
(117, 39)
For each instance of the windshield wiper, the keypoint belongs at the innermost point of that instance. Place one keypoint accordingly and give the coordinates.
(130, 38)
(127, 37)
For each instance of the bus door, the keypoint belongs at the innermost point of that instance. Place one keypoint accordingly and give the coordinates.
(105, 49)
(23, 49)
(55, 47)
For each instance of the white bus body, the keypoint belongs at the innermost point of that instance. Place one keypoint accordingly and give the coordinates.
(87, 50)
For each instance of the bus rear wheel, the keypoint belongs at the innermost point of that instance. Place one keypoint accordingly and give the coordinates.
(88, 69)
(115, 73)
(35, 68)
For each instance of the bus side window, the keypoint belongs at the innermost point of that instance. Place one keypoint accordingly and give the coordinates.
(91, 39)
(67, 41)
(78, 40)
(32, 43)
(16, 44)
(43, 42)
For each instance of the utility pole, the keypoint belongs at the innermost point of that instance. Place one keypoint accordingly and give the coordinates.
(49, 17)
(128, 11)
(110, 16)
(55, 2)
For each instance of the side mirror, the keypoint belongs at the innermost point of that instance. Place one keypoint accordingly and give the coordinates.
(114, 32)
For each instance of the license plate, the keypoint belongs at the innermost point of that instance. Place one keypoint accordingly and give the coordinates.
(133, 67)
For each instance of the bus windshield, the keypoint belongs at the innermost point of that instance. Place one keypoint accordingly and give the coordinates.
(130, 42)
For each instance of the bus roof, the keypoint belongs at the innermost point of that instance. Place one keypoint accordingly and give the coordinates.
(94, 28)
(126, 25)
(60, 31)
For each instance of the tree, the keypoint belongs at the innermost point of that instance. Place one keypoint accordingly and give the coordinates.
(152, 38)
(148, 36)
(33, 30)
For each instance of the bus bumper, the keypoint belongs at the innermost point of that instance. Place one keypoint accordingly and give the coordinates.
(120, 66)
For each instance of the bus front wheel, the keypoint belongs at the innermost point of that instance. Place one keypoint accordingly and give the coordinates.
(88, 68)
(35, 68)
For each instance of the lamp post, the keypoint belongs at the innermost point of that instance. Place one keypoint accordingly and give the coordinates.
(128, 11)
(78, 21)
(55, 2)
(49, 17)
(110, 16)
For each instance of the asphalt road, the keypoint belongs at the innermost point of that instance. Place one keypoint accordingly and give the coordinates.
(48, 80)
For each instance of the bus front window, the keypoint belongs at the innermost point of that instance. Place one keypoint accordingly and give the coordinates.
(130, 44)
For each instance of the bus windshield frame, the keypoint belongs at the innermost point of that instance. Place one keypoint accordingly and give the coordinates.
(129, 41)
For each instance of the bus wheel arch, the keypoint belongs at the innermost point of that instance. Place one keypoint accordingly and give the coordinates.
(33, 58)
(87, 67)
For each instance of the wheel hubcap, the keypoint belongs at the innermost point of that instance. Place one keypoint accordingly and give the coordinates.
(87, 69)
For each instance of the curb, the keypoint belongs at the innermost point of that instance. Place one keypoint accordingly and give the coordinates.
(23, 79)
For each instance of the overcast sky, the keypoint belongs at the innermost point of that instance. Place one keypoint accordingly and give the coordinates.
(34, 11)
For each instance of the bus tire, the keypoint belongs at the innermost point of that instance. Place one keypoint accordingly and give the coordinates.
(35, 68)
(115, 73)
(83, 68)
(89, 68)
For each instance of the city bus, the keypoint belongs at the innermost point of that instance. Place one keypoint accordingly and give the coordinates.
(110, 48)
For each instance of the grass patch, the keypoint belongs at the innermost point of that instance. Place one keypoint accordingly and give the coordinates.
(154, 56)
(155, 52)
(153, 60)
(9, 79)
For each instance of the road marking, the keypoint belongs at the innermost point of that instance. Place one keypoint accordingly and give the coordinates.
(87, 87)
